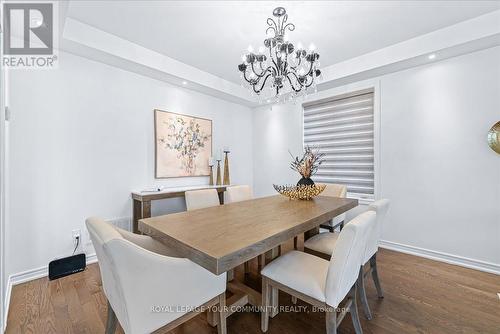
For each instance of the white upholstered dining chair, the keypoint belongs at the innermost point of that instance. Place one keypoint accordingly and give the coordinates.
(147, 290)
(238, 194)
(323, 245)
(334, 190)
(322, 283)
(331, 190)
(200, 199)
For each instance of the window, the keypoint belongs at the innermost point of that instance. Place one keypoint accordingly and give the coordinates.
(343, 129)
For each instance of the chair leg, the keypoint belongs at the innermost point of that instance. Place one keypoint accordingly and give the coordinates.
(212, 317)
(362, 294)
(247, 267)
(264, 324)
(221, 326)
(261, 261)
(296, 243)
(373, 266)
(111, 321)
(341, 225)
(354, 311)
(274, 302)
(230, 275)
(331, 320)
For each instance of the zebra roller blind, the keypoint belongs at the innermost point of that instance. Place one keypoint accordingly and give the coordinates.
(343, 129)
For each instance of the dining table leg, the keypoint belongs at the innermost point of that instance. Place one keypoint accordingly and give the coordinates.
(272, 254)
(311, 233)
(141, 210)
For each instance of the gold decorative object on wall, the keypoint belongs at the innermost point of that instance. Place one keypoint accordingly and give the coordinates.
(218, 173)
(494, 137)
(226, 166)
(302, 192)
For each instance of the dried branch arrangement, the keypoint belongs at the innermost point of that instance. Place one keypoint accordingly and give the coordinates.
(308, 165)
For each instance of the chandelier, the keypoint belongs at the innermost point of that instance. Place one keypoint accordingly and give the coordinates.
(279, 64)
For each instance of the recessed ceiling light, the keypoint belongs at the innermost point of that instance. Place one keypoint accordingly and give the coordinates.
(184, 83)
(432, 56)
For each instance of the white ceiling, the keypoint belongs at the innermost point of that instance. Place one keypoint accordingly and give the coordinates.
(212, 35)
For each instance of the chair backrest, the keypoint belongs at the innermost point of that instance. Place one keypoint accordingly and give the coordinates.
(102, 233)
(349, 251)
(200, 199)
(238, 194)
(334, 190)
(380, 207)
(137, 278)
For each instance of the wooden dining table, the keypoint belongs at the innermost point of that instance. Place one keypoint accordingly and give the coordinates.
(223, 237)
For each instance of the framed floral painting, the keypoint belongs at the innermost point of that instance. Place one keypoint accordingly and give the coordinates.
(183, 145)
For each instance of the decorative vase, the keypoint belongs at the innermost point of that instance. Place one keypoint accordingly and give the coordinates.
(226, 168)
(305, 181)
(219, 181)
(211, 180)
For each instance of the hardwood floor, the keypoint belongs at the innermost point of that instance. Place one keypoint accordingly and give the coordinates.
(421, 296)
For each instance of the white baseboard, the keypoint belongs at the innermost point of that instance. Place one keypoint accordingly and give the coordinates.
(442, 257)
(27, 276)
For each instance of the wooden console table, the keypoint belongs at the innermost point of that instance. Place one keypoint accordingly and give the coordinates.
(142, 200)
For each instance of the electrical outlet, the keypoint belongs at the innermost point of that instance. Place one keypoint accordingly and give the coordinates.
(77, 238)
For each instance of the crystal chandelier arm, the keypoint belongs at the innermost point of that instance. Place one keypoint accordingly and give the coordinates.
(289, 26)
(291, 84)
(277, 61)
(310, 68)
(298, 64)
(272, 26)
(281, 22)
(262, 86)
(310, 83)
(245, 77)
(273, 60)
(262, 73)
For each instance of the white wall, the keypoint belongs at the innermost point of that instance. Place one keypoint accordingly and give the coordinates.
(81, 138)
(435, 164)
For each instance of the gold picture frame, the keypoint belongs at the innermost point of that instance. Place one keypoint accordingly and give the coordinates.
(183, 145)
